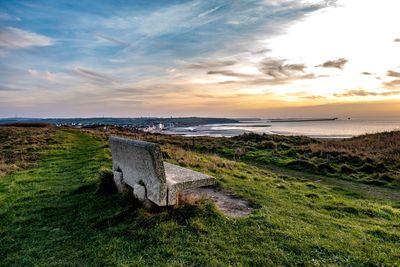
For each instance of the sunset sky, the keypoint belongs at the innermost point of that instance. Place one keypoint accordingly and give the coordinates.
(271, 58)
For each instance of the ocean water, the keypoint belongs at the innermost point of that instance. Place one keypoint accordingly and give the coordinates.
(341, 128)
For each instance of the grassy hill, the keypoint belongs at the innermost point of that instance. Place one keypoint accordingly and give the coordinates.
(370, 159)
(51, 215)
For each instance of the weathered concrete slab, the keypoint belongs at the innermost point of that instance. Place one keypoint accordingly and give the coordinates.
(179, 178)
(121, 186)
(139, 164)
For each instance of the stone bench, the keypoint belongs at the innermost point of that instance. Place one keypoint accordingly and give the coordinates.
(139, 165)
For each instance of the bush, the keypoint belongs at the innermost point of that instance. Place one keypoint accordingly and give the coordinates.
(268, 145)
(375, 182)
(346, 169)
(368, 168)
(386, 177)
(301, 165)
(326, 168)
(291, 153)
(106, 184)
(284, 146)
(381, 167)
(254, 137)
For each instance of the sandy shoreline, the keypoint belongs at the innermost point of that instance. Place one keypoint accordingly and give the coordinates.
(338, 129)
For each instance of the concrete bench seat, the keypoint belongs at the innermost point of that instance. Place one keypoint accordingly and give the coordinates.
(179, 179)
(139, 165)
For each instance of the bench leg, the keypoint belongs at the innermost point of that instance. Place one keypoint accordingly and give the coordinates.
(119, 182)
(139, 192)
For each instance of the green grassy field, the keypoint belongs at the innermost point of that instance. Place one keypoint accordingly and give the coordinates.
(51, 215)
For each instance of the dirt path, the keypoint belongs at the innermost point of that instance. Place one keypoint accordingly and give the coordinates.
(226, 202)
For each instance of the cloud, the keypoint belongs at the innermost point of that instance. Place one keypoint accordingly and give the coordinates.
(338, 63)
(112, 40)
(278, 69)
(92, 75)
(45, 75)
(313, 97)
(208, 12)
(229, 73)
(392, 84)
(366, 73)
(364, 93)
(261, 51)
(6, 88)
(393, 73)
(167, 20)
(11, 37)
(272, 82)
(211, 64)
(305, 95)
(6, 16)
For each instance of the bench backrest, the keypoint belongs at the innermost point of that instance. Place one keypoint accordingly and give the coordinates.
(140, 163)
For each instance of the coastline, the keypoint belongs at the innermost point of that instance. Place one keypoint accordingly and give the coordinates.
(326, 129)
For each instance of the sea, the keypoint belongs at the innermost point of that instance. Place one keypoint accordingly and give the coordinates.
(326, 129)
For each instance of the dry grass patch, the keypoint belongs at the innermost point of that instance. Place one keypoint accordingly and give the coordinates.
(19, 146)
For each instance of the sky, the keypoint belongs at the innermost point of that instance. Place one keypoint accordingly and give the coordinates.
(247, 58)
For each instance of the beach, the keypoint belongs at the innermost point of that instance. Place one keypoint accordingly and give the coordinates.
(340, 128)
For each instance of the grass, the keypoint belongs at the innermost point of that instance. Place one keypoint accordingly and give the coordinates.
(51, 215)
(19, 146)
(369, 159)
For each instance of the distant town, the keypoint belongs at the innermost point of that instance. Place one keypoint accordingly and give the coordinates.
(145, 124)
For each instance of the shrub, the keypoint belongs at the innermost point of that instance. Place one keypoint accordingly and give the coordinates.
(291, 153)
(375, 182)
(312, 195)
(386, 177)
(346, 169)
(301, 165)
(240, 152)
(368, 168)
(381, 167)
(268, 145)
(283, 146)
(326, 168)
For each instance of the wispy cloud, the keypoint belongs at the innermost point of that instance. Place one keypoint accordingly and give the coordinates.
(278, 69)
(395, 84)
(45, 75)
(305, 95)
(338, 63)
(167, 20)
(393, 73)
(270, 82)
(6, 16)
(229, 73)
(11, 37)
(208, 12)
(112, 40)
(313, 97)
(6, 88)
(366, 73)
(365, 93)
(93, 75)
(207, 64)
(261, 51)
(268, 71)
